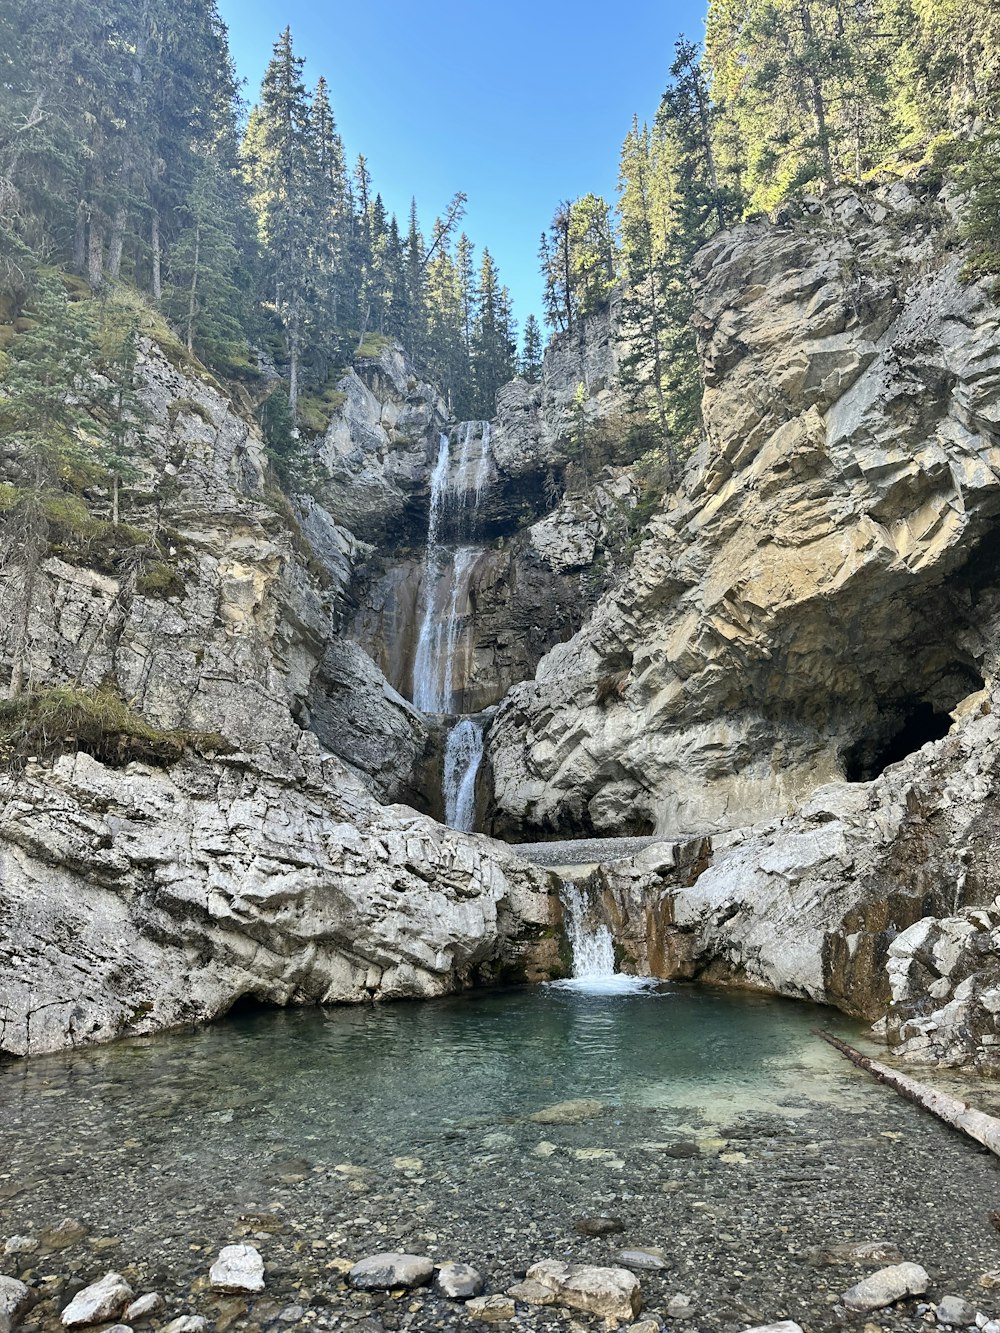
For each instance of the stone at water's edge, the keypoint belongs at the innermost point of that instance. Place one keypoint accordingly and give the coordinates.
(491, 1309)
(955, 1312)
(886, 1287)
(786, 1326)
(186, 1323)
(611, 1292)
(459, 1282)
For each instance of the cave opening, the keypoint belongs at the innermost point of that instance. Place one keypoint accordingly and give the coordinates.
(916, 722)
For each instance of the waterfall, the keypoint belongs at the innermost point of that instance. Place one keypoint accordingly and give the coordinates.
(593, 949)
(462, 756)
(457, 489)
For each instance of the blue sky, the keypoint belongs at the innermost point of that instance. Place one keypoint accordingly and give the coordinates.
(519, 103)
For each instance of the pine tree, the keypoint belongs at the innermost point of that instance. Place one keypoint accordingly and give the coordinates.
(530, 366)
(593, 254)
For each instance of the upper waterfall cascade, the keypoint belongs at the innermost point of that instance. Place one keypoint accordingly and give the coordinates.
(459, 480)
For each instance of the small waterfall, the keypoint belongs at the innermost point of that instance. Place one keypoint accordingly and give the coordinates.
(462, 756)
(593, 948)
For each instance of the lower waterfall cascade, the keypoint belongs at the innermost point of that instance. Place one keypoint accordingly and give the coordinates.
(593, 948)
(463, 755)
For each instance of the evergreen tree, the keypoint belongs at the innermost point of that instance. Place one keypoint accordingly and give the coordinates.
(530, 366)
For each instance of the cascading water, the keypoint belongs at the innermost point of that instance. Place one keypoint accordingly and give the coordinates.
(457, 489)
(462, 756)
(593, 949)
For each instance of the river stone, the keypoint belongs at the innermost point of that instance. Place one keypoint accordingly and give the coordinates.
(67, 1233)
(680, 1307)
(642, 1259)
(786, 1326)
(568, 1113)
(856, 1252)
(238, 1268)
(15, 1298)
(647, 1326)
(382, 1272)
(98, 1303)
(150, 1304)
(597, 1226)
(186, 1323)
(21, 1245)
(531, 1293)
(459, 1282)
(611, 1292)
(886, 1287)
(491, 1309)
(955, 1312)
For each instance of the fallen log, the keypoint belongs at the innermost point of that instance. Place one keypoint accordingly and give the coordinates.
(985, 1129)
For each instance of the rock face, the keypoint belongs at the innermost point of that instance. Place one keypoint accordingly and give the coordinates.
(808, 608)
(824, 903)
(142, 899)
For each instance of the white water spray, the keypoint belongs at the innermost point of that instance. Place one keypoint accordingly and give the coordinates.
(593, 949)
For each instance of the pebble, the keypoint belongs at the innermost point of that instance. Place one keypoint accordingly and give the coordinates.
(67, 1233)
(886, 1287)
(597, 1226)
(459, 1282)
(491, 1309)
(382, 1272)
(100, 1302)
(186, 1323)
(21, 1245)
(568, 1113)
(786, 1326)
(648, 1260)
(680, 1307)
(955, 1312)
(150, 1304)
(291, 1314)
(238, 1268)
(611, 1292)
(647, 1326)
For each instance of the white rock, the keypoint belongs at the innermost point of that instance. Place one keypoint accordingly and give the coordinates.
(20, 1245)
(611, 1292)
(955, 1312)
(491, 1309)
(15, 1297)
(186, 1323)
(150, 1304)
(459, 1282)
(382, 1272)
(98, 1303)
(886, 1287)
(786, 1326)
(238, 1268)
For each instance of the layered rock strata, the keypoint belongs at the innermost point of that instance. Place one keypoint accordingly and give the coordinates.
(807, 607)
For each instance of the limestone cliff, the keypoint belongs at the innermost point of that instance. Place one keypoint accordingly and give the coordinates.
(809, 606)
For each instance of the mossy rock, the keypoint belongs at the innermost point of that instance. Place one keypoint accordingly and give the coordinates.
(188, 407)
(64, 719)
(77, 536)
(372, 346)
(160, 580)
(7, 335)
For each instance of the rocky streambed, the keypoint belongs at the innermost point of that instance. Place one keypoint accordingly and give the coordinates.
(736, 1165)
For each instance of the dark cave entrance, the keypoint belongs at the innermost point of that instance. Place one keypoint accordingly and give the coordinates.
(904, 725)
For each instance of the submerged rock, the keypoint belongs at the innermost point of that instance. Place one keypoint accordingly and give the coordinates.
(611, 1292)
(598, 1225)
(650, 1260)
(886, 1287)
(571, 1112)
(100, 1302)
(459, 1282)
(491, 1309)
(382, 1272)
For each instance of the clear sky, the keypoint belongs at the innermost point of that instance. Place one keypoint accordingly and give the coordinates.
(520, 103)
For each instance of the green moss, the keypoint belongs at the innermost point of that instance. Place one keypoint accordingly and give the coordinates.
(160, 580)
(63, 719)
(7, 335)
(9, 496)
(76, 535)
(188, 407)
(372, 345)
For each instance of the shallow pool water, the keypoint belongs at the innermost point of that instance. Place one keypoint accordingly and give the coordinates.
(719, 1120)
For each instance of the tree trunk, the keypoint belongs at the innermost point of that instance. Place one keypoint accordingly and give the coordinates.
(80, 239)
(95, 256)
(293, 367)
(193, 295)
(117, 241)
(154, 245)
(985, 1129)
(818, 101)
(115, 497)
